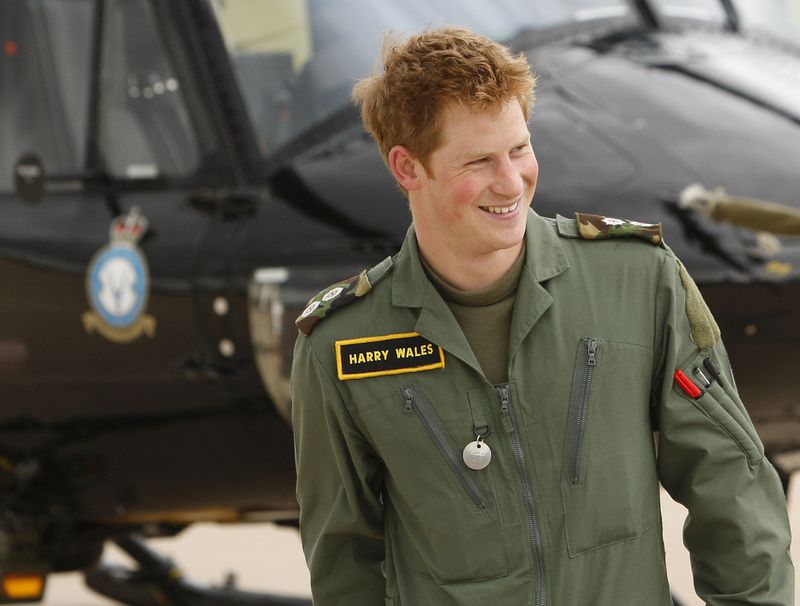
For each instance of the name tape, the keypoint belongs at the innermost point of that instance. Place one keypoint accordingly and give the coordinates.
(386, 355)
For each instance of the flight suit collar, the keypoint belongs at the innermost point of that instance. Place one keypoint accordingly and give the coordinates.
(409, 282)
(545, 259)
(545, 254)
(412, 288)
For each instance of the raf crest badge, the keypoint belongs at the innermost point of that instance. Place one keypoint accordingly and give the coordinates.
(118, 284)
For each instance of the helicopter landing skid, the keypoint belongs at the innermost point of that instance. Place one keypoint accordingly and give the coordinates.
(157, 582)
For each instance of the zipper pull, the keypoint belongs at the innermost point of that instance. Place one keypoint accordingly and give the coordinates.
(592, 361)
(409, 399)
(504, 398)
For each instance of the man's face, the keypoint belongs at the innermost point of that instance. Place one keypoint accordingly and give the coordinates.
(474, 198)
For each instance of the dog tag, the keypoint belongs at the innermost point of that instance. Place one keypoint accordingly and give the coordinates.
(477, 454)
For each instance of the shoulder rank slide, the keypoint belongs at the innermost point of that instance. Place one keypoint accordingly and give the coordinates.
(340, 294)
(597, 227)
(386, 355)
(336, 295)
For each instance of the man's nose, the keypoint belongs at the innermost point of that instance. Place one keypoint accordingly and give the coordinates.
(508, 180)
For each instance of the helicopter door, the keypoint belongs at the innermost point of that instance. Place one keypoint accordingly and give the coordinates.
(159, 141)
(46, 50)
(99, 113)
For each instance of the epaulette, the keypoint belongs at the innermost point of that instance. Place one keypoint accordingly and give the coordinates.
(596, 227)
(340, 294)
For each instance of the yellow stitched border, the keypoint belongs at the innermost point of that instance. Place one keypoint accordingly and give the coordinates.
(378, 373)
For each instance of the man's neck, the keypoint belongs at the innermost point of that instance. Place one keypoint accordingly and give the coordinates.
(470, 273)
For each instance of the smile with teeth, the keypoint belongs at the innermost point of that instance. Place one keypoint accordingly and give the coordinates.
(501, 210)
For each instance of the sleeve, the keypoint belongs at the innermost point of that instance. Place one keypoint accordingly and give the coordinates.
(339, 483)
(711, 460)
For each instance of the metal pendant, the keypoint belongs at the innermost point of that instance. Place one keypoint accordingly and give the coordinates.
(477, 454)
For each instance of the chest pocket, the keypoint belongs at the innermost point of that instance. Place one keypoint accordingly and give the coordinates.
(442, 519)
(609, 483)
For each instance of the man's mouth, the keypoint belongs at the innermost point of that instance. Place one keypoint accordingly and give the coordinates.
(501, 210)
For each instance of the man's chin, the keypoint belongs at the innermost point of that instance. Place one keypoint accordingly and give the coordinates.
(509, 245)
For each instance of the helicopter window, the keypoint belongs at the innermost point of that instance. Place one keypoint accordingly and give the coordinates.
(145, 131)
(696, 10)
(297, 61)
(269, 41)
(45, 53)
(779, 18)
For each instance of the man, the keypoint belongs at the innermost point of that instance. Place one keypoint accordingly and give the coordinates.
(474, 417)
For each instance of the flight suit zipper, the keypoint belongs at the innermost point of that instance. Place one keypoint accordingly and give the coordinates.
(434, 427)
(534, 534)
(587, 363)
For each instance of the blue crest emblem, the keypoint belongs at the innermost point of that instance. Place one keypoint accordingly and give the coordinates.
(118, 284)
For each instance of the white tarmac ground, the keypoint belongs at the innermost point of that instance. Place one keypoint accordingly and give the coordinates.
(267, 558)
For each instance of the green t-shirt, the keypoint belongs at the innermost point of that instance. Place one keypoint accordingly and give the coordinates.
(485, 317)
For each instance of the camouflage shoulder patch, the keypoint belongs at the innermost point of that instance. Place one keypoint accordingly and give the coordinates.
(340, 294)
(596, 227)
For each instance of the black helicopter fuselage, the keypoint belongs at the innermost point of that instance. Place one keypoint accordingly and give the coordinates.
(186, 421)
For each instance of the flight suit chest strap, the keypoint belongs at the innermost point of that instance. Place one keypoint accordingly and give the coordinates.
(479, 408)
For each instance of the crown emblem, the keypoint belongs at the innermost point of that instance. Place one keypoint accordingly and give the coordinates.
(128, 228)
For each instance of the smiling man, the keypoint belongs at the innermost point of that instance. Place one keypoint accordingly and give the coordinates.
(474, 417)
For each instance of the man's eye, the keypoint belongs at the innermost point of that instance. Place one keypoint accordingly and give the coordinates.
(478, 161)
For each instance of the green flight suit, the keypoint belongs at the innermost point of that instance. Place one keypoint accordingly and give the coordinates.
(567, 512)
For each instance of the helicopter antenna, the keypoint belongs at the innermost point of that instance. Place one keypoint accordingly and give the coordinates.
(647, 13)
(732, 15)
(758, 215)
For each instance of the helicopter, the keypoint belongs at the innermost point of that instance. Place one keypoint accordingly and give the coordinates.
(178, 178)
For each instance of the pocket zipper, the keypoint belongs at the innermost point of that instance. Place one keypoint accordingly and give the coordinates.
(582, 409)
(433, 426)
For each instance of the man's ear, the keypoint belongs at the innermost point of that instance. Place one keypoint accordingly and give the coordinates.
(405, 168)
